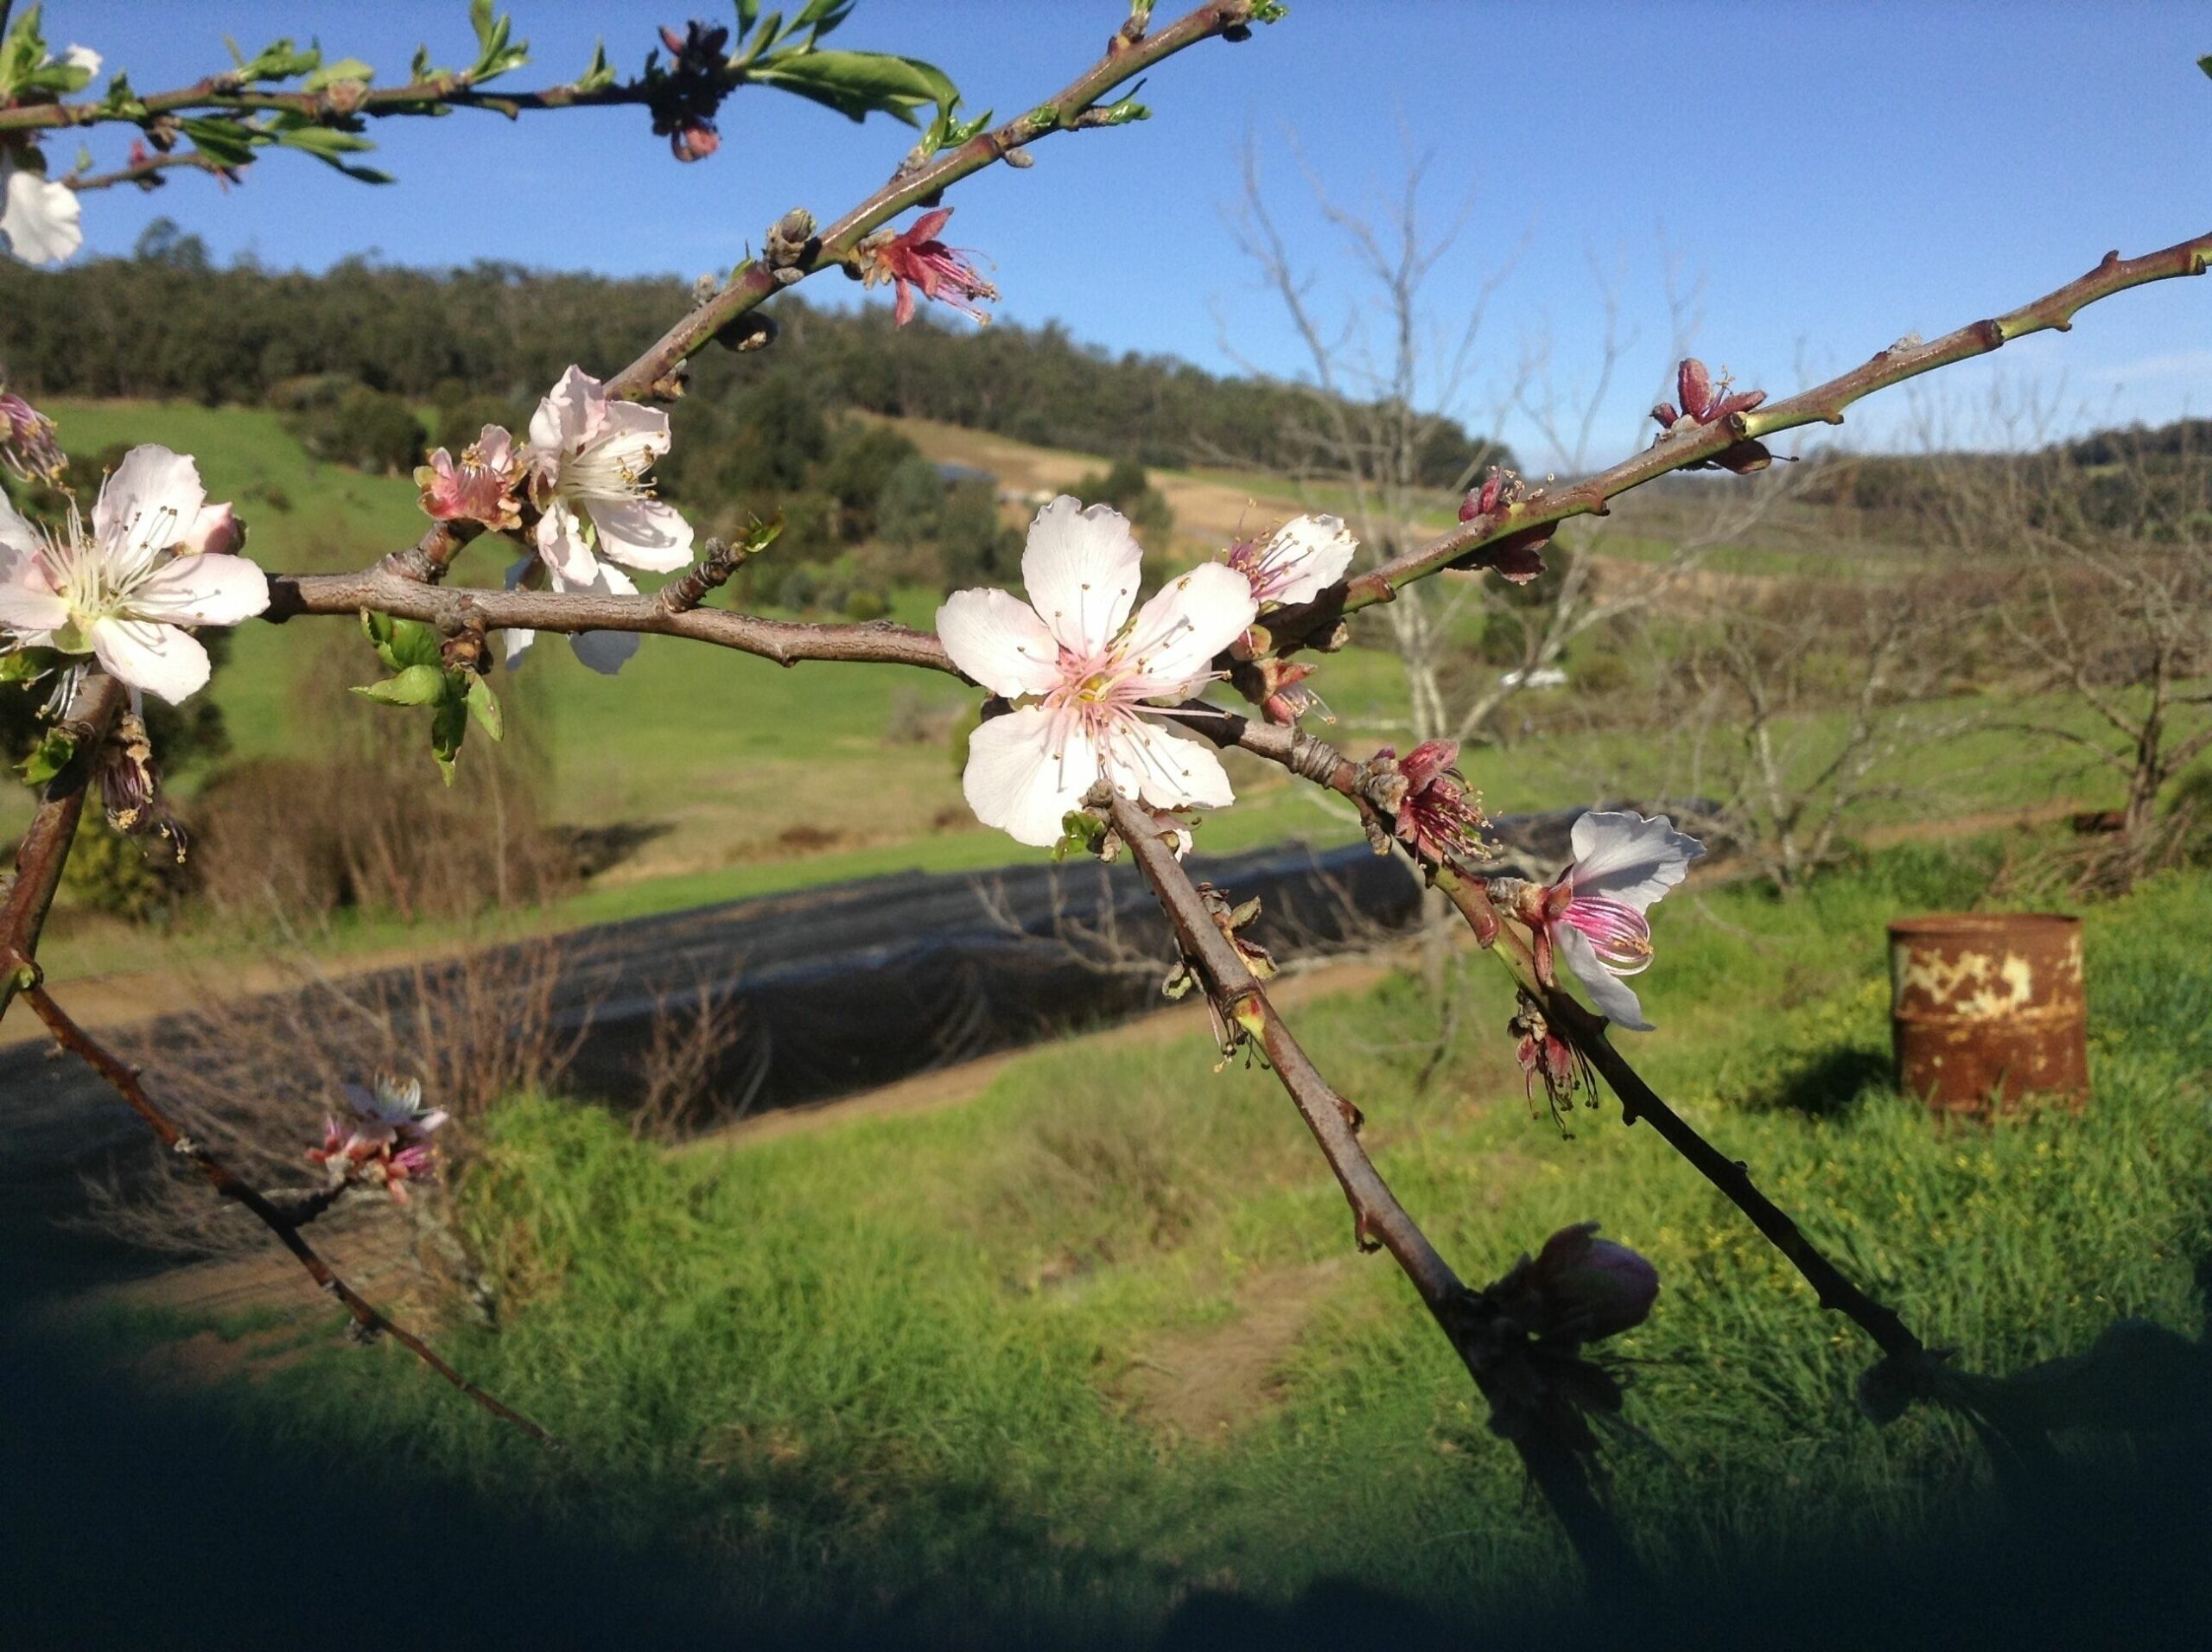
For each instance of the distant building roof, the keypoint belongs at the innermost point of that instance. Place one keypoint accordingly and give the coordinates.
(964, 473)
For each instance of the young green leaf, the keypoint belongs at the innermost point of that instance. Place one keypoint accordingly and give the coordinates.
(484, 706)
(417, 685)
(48, 758)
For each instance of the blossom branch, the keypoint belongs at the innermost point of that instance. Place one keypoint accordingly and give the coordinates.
(284, 1222)
(650, 375)
(1469, 1319)
(44, 850)
(1322, 763)
(1504, 528)
(787, 642)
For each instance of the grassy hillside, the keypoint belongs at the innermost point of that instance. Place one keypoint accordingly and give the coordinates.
(1053, 1359)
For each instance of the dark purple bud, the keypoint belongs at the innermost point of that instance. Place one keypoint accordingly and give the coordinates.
(1694, 385)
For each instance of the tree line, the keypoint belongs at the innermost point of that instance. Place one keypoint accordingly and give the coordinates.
(167, 323)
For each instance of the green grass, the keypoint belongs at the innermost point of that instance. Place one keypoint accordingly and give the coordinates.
(901, 1366)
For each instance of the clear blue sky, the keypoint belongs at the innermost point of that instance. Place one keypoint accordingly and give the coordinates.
(1836, 175)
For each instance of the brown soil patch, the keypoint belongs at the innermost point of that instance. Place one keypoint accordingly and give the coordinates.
(1201, 1385)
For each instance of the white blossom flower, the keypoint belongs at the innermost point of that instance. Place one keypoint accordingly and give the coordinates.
(587, 461)
(1091, 672)
(123, 592)
(38, 218)
(1595, 914)
(1298, 561)
(604, 651)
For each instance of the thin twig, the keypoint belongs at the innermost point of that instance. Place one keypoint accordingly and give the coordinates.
(285, 1223)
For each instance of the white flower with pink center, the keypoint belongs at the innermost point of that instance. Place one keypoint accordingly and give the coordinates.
(123, 592)
(587, 461)
(1298, 561)
(1091, 674)
(1595, 914)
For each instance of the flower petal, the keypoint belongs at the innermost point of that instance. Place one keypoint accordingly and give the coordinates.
(561, 541)
(997, 638)
(630, 431)
(1615, 998)
(563, 418)
(1629, 857)
(1081, 569)
(215, 589)
(40, 219)
(161, 659)
(1026, 769)
(16, 535)
(25, 603)
(1193, 618)
(604, 651)
(148, 504)
(1168, 771)
(1311, 553)
(644, 533)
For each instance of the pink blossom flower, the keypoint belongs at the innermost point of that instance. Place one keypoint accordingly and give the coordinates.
(587, 461)
(1091, 674)
(916, 259)
(27, 440)
(388, 1140)
(1432, 810)
(1594, 916)
(1297, 562)
(125, 592)
(694, 140)
(480, 488)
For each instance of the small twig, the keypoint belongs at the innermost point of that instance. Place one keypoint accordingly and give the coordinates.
(284, 1223)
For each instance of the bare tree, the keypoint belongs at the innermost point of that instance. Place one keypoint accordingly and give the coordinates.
(2108, 612)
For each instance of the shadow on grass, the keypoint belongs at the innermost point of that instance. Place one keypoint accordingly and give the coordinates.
(1824, 1085)
(149, 1519)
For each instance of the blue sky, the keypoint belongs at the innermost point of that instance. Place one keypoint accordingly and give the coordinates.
(1834, 175)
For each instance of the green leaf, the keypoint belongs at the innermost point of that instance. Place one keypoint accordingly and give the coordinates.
(448, 727)
(484, 706)
(280, 62)
(822, 16)
(226, 142)
(418, 685)
(330, 146)
(747, 10)
(601, 74)
(494, 55)
(23, 665)
(859, 84)
(2205, 64)
(346, 69)
(48, 758)
(420, 68)
(414, 643)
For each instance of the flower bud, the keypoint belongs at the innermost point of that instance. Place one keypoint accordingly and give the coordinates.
(1591, 1287)
(215, 530)
(694, 141)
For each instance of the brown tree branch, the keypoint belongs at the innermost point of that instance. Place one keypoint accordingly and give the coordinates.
(1823, 404)
(285, 1223)
(1467, 1317)
(755, 282)
(45, 848)
(1321, 763)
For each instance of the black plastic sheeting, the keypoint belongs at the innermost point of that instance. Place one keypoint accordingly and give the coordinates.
(851, 986)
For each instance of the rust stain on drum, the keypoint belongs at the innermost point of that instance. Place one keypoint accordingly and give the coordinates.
(1987, 1007)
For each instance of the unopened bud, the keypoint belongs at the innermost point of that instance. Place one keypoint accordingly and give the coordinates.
(215, 532)
(1591, 1288)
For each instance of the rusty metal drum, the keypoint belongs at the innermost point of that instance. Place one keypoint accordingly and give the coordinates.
(1987, 1008)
